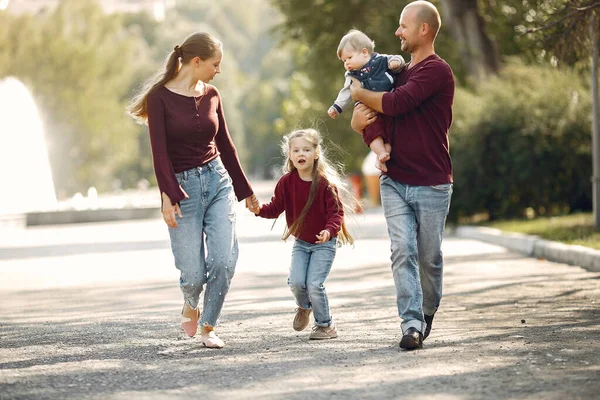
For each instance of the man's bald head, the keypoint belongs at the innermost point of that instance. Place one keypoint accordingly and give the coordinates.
(426, 13)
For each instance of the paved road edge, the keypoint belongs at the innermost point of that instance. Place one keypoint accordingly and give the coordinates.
(534, 246)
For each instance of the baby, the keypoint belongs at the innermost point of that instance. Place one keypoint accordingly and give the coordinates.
(374, 71)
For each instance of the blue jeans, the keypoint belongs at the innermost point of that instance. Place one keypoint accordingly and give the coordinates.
(415, 217)
(204, 243)
(310, 267)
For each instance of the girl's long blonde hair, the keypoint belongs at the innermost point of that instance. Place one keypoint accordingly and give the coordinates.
(323, 169)
(200, 44)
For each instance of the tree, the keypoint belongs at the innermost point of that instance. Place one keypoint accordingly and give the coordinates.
(477, 50)
(76, 61)
(313, 92)
(568, 30)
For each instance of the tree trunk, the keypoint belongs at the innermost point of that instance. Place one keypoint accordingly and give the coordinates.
(478, 51)
(595, 36)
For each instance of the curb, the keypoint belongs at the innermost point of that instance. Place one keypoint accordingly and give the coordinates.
(534, 246)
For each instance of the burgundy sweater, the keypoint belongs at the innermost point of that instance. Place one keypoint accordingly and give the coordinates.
(183, 137)
(291, 194)
(421, 106)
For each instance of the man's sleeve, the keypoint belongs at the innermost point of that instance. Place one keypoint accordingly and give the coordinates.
(430, 79)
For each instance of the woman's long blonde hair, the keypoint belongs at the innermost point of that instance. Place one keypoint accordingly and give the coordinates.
(200, 44)
(323, 169)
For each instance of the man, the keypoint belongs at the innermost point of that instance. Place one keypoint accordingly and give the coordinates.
(417, 187)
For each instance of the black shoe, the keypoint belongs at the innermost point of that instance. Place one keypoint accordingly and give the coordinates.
(412, 339)
(429, 321)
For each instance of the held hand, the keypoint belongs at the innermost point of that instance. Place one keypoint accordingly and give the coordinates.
(362, 116)
(332, 112)
(253, 204)
(169, 210)
(323, 236)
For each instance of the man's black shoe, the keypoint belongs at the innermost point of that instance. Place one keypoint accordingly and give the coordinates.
(429, 321)
(412, 339)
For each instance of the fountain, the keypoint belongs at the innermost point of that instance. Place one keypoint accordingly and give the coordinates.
(27, 191)
(25, 173)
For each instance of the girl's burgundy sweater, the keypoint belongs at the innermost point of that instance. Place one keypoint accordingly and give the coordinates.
(291, 194)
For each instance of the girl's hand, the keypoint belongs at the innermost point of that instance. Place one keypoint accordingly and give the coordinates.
(169, 210)
(323, 236)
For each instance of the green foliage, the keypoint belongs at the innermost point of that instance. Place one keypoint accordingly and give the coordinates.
(522, 140)
(83, 67)
(254, 70)
(570, 229)
(76, 62)
(314, 28)
(560, 31)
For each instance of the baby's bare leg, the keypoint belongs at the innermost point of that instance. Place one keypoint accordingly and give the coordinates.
(388, 147)
(382, 152)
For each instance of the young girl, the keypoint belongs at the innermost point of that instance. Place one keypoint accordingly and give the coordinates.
(199, 176)
(314, 200)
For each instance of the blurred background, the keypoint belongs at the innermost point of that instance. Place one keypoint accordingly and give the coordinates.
(521, 139)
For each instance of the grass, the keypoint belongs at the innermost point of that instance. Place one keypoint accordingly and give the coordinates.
(569, 229)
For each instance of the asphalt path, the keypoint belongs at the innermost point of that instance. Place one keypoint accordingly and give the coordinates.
(90, 311)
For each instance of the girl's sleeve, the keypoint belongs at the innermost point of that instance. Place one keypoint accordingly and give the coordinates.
(334, 210)
(163, 168)
(277, 204)
(229, 156)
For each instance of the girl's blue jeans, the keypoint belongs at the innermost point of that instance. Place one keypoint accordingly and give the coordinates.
(415, 218)
(204, 243)
(310, 267)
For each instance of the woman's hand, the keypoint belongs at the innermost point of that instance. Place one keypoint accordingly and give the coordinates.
(362, 116)
(323, 236)
(253, 204)
(169, 210)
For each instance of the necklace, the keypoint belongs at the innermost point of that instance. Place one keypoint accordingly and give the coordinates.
(198, 99)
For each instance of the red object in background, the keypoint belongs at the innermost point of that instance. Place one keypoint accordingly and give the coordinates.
(356, 183)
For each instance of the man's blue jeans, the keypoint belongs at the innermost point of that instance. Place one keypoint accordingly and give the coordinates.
(415, 217)
(204, 243)
(310, 267)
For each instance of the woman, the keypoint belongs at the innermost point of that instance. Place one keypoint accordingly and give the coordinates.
(199, 176)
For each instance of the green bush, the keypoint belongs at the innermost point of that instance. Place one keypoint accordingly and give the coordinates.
(522, 141)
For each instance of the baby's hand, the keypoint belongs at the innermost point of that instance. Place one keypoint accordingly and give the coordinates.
(332, 112)
(394, 64)
(323, 236)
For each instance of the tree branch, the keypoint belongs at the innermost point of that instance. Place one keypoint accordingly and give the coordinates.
(558, 21)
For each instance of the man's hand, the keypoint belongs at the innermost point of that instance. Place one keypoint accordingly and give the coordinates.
(368, 97)
(362, 117)
(332, 112)
(355, 89)
(323, 236)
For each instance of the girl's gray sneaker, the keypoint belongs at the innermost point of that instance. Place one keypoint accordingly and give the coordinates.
(302, 318)
(323, 332)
